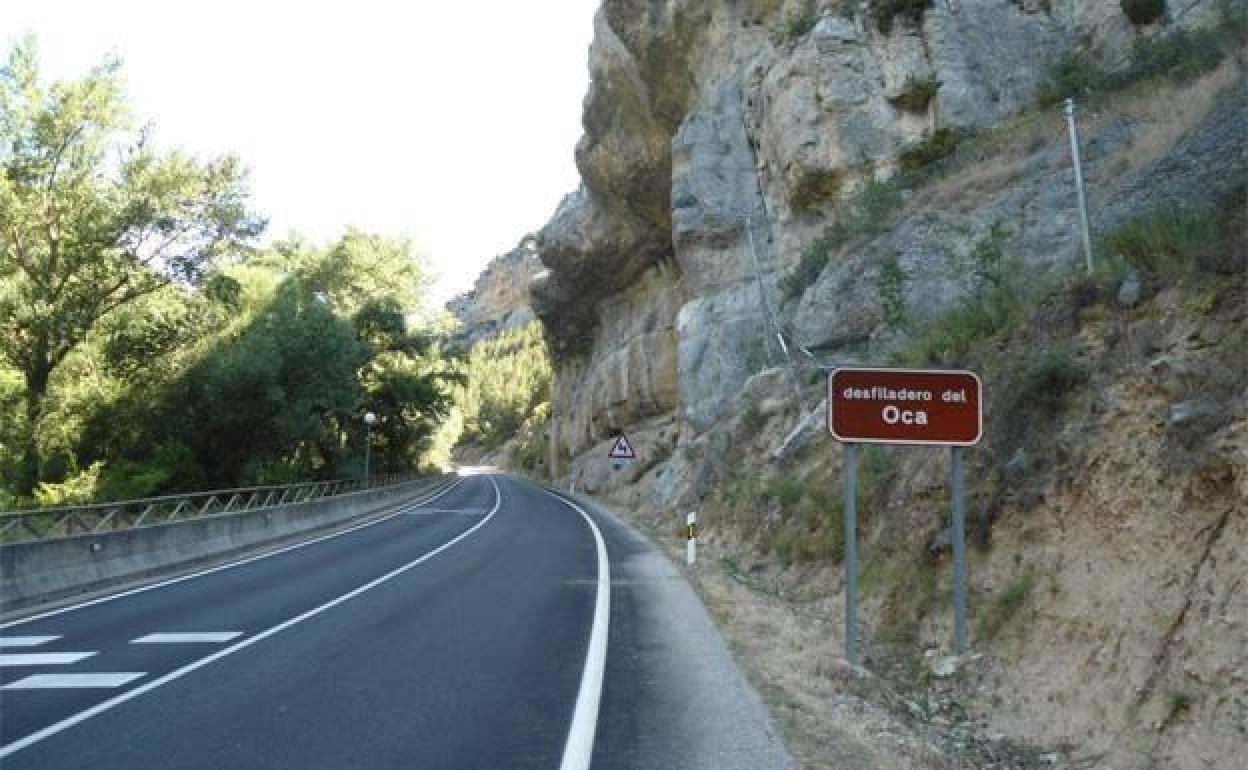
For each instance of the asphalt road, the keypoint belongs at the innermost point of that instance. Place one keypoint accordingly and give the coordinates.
(479, 629)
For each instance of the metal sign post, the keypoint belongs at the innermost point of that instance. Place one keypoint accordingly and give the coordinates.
(904, 406)
(959, 550)
(851, 553)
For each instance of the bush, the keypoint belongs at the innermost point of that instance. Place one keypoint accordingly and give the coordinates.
(885, 11)
(1073, 74)
(939, 144)
(783, 490)
(1170, 244)
(752, 419)
(797, 24)
(917, 93)
(866, 214)
(1184, 54)
(1051, 375)
(996, 615)
(1142, 12)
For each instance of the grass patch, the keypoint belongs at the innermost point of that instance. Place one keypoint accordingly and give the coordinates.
(992, 619)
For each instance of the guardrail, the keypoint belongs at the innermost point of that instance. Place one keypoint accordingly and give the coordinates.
(46, 523)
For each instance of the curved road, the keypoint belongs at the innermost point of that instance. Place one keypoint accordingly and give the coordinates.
(457, 633)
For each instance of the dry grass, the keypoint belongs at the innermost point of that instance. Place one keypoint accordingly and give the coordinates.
(1163, 114)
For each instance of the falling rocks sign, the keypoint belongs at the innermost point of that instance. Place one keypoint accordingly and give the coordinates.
(905, 406)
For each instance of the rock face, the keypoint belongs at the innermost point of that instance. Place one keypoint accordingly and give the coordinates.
(718, 137)
(500, 298)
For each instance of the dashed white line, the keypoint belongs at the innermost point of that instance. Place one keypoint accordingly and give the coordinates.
(72, 681)
(43, 658)
(188, 637)
(26, 641)
(146, 687)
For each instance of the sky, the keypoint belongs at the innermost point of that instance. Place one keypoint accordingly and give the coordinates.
(451, 123)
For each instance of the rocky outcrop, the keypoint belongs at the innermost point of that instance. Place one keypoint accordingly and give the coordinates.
(717, 138)
(499, 299)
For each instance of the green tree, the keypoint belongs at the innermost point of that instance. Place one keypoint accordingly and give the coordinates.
(91, 219)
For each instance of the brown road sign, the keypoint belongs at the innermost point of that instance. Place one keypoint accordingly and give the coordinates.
(905, 406)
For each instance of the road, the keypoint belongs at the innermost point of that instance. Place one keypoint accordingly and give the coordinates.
(493, 626)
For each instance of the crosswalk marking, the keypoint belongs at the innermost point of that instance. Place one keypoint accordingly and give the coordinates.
(43, 658)
(189, 637)
(26, 641)
(67, 681)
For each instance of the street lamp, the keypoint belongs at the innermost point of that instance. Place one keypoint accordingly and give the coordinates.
(369, 419)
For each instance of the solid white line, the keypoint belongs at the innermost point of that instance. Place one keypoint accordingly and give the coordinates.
(43, 658)
(117, 700)
(579, 748)
(220, 567)
(200, 637)
(67, 681)
(26, 641)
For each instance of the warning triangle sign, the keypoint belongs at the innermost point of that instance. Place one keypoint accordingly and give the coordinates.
(622, 449)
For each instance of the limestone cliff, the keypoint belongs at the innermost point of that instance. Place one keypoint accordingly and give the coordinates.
(499, 299)
(724, 138)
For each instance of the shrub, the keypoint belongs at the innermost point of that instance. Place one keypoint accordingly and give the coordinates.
(1051, 375)
(752, 419)
(865, 214)
(892, 287)
(885, 11)
(1142, 12)
(939, 144)
(996, 615)
(917, 93)
(1184, 54)
(1172, 243)
(1072, 74)
(797, 24)
(784, 490)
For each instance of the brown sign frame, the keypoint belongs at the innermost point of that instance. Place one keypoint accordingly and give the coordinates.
(963, 376)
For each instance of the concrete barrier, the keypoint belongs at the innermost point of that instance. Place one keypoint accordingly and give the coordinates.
(48, 570)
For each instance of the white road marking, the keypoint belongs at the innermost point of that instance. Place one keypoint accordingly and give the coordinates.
(70, 681)
(227, 565)
(146, 687)
(26, 641)
(460, 511)
(189, 637)
(580, 745)
(43, 658)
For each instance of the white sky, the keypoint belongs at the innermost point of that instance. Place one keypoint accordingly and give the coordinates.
(453, 123)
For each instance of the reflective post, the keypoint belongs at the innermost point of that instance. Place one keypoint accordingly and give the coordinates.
(851, 553)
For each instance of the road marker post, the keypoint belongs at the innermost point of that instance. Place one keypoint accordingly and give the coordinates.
(905, 406)
(691, 538)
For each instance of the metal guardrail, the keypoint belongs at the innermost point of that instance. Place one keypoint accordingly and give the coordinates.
(46, 523)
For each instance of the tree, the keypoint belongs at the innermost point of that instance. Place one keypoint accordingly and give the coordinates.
(93, 218)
